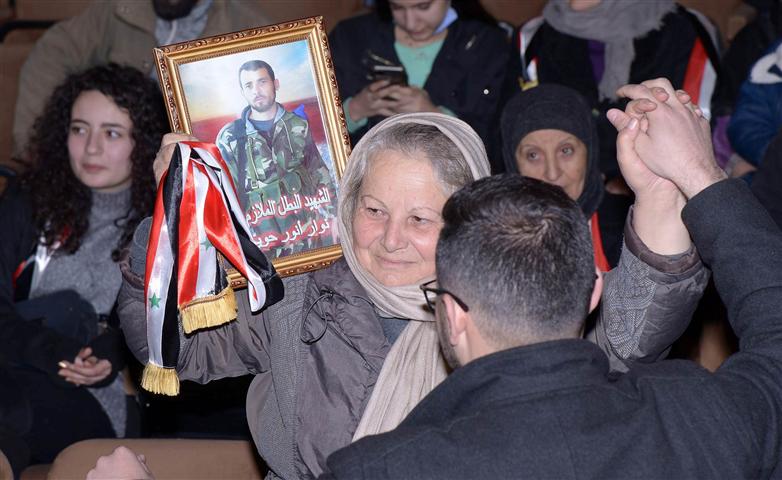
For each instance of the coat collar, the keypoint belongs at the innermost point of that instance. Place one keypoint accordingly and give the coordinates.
(510, 374)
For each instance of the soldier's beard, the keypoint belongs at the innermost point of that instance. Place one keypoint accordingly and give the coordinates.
(263, 105)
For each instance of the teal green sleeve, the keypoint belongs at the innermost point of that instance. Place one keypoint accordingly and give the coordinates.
(447, 111)
(352, 125)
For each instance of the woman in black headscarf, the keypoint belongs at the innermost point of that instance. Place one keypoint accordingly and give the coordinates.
(549, 133)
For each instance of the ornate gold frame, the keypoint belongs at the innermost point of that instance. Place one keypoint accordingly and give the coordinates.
(170, 57)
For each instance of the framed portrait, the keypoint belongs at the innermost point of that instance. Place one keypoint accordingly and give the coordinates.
(268, 98)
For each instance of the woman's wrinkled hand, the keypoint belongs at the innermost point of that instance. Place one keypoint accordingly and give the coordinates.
(167, 146)
(85, 370)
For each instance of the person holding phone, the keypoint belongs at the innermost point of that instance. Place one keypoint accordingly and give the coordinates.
(445, 56)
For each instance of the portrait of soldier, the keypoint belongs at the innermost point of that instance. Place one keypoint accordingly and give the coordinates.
(285, 188)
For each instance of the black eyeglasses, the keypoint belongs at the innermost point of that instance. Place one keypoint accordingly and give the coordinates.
(430, 294)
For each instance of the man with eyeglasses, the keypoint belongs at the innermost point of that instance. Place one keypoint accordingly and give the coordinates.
(529, 398)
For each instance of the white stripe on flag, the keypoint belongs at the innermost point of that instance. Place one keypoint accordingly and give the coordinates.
(157, 290)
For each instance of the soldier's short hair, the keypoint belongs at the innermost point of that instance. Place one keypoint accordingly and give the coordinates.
(254, 65)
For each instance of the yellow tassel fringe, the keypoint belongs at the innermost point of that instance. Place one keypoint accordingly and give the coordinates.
(209, 311)
(160, 380)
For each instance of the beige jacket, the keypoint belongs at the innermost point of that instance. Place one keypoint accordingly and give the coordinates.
(120, 31)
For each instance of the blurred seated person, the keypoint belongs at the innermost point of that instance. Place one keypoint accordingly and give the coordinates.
(757, 116)
(746, 47)
(596, 46)
(67, 223)
(446, 56)
(550, 133)
(123, 32)
(767, 182)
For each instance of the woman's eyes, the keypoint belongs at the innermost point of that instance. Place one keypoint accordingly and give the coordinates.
(373, 212)
(568, 150)
(422, 221)
(414, 219)
(82, 130)
(533, 155)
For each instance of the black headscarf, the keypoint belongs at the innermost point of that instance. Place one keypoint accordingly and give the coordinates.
(551, 106)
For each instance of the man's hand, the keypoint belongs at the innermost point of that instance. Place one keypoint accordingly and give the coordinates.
(638, 176)
(372, 100)
(166, 150)
(122, 464)
(86, 369)
(676, 143)
(658, 201)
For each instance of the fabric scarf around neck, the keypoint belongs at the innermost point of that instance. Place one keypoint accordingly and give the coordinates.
(414, 364)
(617, 23)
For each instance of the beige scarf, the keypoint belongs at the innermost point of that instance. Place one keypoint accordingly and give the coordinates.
(414, 365)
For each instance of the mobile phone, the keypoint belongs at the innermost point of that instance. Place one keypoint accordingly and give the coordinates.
(395, 74)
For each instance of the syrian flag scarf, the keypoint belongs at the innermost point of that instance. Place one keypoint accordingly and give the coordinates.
(197, 214)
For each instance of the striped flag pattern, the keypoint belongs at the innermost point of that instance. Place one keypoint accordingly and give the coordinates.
(197, 215)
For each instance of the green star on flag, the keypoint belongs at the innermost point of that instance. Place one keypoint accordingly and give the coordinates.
(154, 301)
(205, 244)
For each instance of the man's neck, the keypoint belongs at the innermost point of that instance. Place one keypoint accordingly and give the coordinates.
(262, 116)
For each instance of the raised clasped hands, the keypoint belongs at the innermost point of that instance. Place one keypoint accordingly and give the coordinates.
(663, 137)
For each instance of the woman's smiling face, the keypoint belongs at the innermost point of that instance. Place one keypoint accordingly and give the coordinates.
(398, 218)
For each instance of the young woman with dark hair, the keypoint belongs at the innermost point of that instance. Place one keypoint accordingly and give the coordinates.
(66, 224)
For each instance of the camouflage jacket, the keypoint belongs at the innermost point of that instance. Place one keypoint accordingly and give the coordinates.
(272, 169)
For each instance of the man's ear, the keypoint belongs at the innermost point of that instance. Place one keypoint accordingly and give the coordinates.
(276, 84)
(597, 290)
(456, 318)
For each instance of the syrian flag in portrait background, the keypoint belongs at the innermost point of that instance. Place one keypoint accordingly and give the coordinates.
(197, 215)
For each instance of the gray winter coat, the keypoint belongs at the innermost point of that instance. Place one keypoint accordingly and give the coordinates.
(317, 353)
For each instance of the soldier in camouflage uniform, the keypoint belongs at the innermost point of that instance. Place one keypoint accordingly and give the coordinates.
(278, 170)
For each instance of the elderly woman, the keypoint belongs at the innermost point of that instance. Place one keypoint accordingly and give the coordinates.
(351, 348)
(550, 133)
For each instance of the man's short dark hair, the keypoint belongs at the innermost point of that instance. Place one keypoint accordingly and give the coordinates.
(254, 65)
(518, 252)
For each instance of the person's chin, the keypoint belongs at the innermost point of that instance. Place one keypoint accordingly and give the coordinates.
(395, 265)
(394, 274)
(421, 36)
(91, 179)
